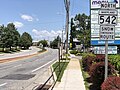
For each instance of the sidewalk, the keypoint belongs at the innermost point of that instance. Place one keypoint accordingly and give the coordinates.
(31, 51)
(72, 78)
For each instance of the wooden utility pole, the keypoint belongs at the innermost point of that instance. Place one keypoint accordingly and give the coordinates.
(67, 5)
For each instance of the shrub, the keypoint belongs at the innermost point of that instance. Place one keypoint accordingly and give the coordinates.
(115, 60)
(87, 61)
(100, 57)
(97, 73)
(74, 52)
(111, 83)
(78, 54)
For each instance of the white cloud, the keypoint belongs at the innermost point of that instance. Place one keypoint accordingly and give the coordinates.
(44, 34)
(27, 17)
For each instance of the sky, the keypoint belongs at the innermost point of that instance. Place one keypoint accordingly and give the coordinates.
(42, 19)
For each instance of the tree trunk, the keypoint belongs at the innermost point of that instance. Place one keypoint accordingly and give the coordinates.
(16, 47)
(3, 49)
(10, 48)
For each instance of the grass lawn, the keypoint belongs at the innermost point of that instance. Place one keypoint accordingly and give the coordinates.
(63, 66)
(86, 77)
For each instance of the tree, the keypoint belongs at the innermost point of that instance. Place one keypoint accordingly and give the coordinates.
(43, 42)
(12, 36)
(72, 34)
(25, 40)
(54, 43)
(81, 30)
(16, 39)
(2, 35)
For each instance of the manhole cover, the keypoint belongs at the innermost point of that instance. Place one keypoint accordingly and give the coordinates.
(19, 76)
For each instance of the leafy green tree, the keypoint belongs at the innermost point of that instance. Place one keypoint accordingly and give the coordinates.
(25, 40)
(12, 36)
(43, 42)
(72, 34)
(81, 30)
(2, 35)
(54, 43)
(16, 39)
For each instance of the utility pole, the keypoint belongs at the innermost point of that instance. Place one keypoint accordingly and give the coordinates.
(59, 53)
(62, 45)
(67, 5)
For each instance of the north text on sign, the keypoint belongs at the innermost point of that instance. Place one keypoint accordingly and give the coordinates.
(108, 5)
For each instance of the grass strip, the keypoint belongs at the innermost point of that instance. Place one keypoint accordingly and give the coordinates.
(59, 73)
(85, 76)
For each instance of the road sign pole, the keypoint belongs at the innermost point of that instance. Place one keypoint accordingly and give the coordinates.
(106, 59)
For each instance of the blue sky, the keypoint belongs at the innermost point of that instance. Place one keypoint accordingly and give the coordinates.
(43, 19)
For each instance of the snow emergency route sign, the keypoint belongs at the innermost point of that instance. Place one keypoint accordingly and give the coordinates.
(107, 32)
(107, 20)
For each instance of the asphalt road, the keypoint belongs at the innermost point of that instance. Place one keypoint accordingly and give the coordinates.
(20, 75)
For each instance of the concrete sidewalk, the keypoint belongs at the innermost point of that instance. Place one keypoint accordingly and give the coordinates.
(72, 78)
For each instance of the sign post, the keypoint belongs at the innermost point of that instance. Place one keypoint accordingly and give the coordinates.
(107, 20)
(106, 59)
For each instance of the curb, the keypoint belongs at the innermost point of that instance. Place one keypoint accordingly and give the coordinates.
(54, 75)
(20, 57)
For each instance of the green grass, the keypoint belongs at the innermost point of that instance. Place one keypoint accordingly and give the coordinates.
(58, 73)
(43, 50)
(85, 76)
(65, 58)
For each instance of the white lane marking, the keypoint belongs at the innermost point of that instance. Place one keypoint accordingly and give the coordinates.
(18, 65)
(3, 84)
(42, 66)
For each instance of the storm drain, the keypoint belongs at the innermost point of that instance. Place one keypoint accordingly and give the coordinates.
(18, 76)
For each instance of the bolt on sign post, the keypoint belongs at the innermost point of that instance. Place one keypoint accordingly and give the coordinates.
(107, 20)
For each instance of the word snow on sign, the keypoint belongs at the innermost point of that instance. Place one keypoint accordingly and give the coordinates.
(107, 33)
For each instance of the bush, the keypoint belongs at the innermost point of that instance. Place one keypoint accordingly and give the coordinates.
(74, 52)
(97, 72)
(78, 54)
(100, 57)
(115, 60)
(111, 83)
(87, 61)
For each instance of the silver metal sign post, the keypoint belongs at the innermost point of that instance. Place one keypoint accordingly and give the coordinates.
(106, 59)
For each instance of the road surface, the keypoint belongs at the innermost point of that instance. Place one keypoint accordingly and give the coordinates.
(21, 74)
